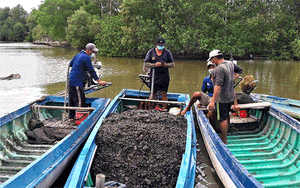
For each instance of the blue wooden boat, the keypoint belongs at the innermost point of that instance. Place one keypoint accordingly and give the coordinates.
(24, 164)
(79, 176)
(265, 156)
(289, 106)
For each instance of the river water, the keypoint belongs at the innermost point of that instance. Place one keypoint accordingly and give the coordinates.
(43, 71)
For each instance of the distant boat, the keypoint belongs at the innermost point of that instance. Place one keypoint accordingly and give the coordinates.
(24, 164)
(289, 106)
(186, 176)
(11, 76)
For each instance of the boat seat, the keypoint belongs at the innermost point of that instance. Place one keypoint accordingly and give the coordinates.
(239, 120)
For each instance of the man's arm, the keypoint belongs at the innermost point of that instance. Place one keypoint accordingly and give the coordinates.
(236, 75)
(217, 91)
(204, 87)
(73, 60)
(236, 106)
(149, 65)
(169, 65)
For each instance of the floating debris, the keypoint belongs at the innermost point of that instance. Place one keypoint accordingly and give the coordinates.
(140, 148)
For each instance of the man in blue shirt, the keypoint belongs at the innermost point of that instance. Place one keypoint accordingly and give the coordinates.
(81, 64)
(207, 85)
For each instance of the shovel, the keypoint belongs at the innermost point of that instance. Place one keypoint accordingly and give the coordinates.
(66, 94)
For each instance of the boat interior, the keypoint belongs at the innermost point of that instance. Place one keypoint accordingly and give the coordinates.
(266, 143)
(18, 147)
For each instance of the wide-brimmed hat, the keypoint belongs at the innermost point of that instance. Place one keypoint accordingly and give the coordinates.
(214, 53)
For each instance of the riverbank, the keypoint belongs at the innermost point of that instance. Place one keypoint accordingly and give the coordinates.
(53, 43)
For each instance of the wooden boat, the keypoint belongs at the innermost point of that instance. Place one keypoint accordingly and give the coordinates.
(80, 172)
(266, 156)
(289, 106)
(39, 165)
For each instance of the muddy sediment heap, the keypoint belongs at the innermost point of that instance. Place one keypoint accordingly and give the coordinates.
(140, 148)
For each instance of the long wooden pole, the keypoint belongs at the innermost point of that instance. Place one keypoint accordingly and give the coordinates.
(152, 84)
(66, 94)
(147, 100)
(63, 107)
(256, 105)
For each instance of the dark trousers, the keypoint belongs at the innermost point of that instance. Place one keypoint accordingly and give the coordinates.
(76, 99)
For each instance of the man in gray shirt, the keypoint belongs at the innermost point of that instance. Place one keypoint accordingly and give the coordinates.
(223, 97)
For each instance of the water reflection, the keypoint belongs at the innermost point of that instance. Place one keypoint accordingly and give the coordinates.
(45, 68)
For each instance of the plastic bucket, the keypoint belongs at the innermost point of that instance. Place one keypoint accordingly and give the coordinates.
(81, 116)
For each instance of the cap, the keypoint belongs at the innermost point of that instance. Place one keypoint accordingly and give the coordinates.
(214, 53)
(91, 46)
(209, 63)
(160, 41)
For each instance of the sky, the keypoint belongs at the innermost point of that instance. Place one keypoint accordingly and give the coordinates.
(27, 4)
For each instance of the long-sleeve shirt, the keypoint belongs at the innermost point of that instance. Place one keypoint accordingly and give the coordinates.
(81, 63)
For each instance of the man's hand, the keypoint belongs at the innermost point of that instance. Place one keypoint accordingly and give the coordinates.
(211, 106)
(164, 64)
(103, 83)
(236, 107)
(158, 64)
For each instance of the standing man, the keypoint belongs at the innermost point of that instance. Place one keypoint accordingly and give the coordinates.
(159, 60)
(223, 97)
(81, 64)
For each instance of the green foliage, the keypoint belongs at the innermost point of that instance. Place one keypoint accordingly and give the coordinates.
(191, 28)
(109, 39)
(13, 24)
(19, 32)
(78, 29)
(295, 45)
(53, 15)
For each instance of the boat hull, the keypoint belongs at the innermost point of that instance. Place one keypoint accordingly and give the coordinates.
(47, 167)
(186, 177)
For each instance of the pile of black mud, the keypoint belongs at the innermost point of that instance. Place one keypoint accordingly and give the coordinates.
(140, 148)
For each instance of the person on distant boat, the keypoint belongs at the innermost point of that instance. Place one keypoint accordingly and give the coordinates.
(224, 96)
(207, 85)
(159, 60)
(81, 64)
